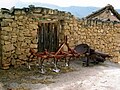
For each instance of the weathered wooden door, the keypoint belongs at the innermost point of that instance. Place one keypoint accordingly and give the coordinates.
(0, 49)
(48, 36)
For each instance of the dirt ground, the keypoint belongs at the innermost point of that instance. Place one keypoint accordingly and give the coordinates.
(104, 76)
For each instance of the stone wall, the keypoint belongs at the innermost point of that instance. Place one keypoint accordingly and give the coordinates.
(19, 31)
(19, 27)
(101, 36)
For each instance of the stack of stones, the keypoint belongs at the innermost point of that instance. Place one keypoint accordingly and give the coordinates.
(100, 36)
(18, 33)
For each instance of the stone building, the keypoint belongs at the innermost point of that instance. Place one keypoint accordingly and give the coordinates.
(108, 13)
(42, 28)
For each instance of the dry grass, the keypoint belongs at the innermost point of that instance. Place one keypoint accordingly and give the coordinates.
(23, 75)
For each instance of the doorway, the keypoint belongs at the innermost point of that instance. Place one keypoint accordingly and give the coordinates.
(48, 36)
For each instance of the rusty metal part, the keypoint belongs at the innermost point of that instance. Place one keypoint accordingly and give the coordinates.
(40, 57)
(57, 56)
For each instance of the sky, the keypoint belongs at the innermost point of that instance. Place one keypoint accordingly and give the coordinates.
(63, 3)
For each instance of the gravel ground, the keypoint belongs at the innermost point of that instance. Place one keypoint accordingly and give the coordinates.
(104, 76)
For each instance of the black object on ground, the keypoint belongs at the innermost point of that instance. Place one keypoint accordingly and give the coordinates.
(90, 55)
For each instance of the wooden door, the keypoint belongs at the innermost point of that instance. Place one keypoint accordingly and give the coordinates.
(48, 36)
(0, 49)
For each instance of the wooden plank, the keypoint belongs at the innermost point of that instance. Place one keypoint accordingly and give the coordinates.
(52, 38)
(47, 21)
(42, 38)
(55, 37)
(0, 49)
(39, 38)
(50, 48)
(47, 35)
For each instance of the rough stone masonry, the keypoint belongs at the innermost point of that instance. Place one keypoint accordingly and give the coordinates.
(19, 27)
